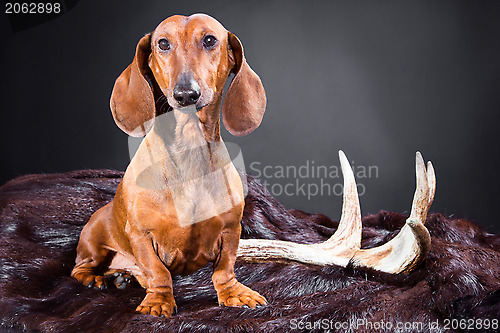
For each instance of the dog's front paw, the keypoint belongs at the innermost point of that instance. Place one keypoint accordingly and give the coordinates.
(240, 295)
(158, 304)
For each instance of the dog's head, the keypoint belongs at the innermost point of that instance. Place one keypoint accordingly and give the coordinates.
(185, 62)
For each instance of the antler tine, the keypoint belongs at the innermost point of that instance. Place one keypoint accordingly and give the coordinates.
(431, 180)
(349, 230)
(411, 244)
(337, 250)
(420, 204)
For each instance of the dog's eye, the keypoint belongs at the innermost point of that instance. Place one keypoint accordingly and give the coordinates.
(209, 41)
(164, 44)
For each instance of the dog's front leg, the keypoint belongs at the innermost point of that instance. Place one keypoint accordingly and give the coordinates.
(230, 292)
(159, 300)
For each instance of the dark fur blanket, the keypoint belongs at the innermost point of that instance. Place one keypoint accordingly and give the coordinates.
(41, 217)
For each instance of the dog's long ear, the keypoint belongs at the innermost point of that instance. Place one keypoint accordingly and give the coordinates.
(245, 100)
(132, 99)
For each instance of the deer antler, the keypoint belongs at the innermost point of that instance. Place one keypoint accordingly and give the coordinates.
(401, 254)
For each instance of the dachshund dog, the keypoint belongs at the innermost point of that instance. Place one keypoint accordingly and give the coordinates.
(169, 216)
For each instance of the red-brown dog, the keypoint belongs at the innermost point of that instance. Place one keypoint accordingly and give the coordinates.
(171, 222)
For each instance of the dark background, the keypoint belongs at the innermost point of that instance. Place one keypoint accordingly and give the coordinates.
(378, 79)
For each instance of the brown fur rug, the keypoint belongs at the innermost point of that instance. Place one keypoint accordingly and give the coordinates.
(40, 221)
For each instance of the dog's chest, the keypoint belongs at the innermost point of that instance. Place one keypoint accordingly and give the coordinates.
(198, 177)
(204, 185)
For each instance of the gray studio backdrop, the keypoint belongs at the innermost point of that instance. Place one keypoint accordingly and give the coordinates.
(377, 79)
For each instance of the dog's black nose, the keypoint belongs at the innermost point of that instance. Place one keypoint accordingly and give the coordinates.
(186, 96)
(186, 91)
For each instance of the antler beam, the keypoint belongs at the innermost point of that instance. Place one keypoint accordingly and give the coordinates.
(401, 254)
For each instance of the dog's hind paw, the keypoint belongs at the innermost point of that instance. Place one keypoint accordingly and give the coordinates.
(92, 281)
(121, 279)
